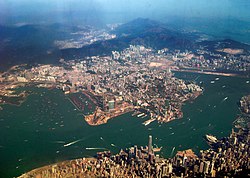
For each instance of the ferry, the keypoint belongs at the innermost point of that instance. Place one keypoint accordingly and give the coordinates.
(157, 149)
(140, 115)
(211, 138)
(148, 122)
(225, 99)
(135, 113)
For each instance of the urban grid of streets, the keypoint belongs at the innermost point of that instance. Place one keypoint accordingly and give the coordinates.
(134, 78)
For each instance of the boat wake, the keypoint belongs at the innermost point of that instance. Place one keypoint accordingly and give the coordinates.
(72, 143)
(62, 142)
(96, 148)
(172, 151)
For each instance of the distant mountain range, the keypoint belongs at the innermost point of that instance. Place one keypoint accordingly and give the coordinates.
(35, 43)
(137, 32)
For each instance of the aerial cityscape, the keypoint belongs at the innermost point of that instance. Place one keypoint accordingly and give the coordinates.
(137, 90)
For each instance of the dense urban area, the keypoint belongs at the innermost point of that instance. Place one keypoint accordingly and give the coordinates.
(137, 78)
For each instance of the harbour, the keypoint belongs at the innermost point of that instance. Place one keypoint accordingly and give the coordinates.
(39, 140)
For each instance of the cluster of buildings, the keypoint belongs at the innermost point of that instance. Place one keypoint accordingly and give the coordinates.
(85, 36)
(223, 60)
(136, 77)
(245, 104)
(228, 157)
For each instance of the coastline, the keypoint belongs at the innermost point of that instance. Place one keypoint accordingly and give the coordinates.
(41, 171)
(209, 73)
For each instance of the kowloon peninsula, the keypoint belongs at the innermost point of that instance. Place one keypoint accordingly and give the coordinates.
(136, 79)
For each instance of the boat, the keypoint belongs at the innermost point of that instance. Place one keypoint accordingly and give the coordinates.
(212, 81)
(148, 122)
(247, 81)
(217, 78)
(112, 144)
(135, 113)
(211, 138)
(140, 115)
(158, 149)
(225, 99)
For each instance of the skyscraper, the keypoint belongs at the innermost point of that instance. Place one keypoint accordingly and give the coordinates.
(150, 144)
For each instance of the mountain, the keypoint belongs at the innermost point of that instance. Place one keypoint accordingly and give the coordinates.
(28, 44)
(137, 32)
(215, 45)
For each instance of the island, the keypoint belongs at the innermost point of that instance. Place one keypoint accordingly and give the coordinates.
(226, 157)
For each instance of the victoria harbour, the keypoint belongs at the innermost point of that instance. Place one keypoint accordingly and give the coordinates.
(47, 128)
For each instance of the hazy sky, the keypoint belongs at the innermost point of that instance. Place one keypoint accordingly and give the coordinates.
(13, 11)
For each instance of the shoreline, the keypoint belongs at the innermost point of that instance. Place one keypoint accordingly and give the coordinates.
(209, 73)
(50, 168)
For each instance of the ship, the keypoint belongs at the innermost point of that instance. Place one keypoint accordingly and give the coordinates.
(148, 122)
(211, 138)
(140, 115)
(158, 149)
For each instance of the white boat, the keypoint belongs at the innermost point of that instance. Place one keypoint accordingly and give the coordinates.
(225, 99)
(148, 122)
(217, 78)
(212, 81)
(140, 115)
(211, 138)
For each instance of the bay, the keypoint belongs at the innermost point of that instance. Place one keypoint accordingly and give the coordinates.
(47, 128)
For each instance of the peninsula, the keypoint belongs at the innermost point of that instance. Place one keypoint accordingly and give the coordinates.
(137, 78)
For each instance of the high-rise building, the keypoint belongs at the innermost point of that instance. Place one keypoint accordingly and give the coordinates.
(201, 167)
(135, 151)
(111, 105)
(150, 144)
(206, 167)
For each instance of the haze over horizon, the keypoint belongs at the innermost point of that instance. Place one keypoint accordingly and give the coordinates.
(109, 11)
